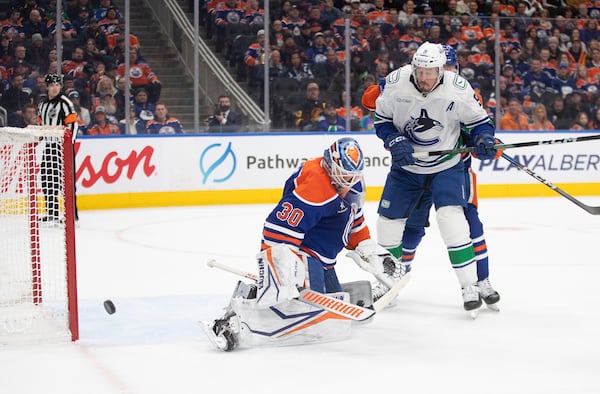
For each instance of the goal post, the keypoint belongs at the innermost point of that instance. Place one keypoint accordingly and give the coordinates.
(38, 278)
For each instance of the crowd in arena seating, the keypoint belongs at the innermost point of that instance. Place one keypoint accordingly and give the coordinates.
(93, 67)
(549, 54)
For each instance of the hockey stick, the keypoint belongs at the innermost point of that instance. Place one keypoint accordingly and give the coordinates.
(420, 155)
(308, 296)
(587, 208)
(215, 264)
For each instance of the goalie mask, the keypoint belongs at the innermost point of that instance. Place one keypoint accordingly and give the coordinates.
(53, 78)
(343, 161)
(428, 66)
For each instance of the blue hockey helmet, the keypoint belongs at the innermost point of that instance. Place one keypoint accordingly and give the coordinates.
(451, 58)
(344, 162)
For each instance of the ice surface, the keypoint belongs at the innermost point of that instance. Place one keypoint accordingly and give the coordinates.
(152, 263)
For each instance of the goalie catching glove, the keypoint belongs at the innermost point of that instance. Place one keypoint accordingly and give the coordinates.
(369, 256)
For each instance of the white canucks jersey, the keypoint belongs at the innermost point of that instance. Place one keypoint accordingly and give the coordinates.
(430, 121)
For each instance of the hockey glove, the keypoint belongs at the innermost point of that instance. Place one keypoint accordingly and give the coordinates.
(400, 149)
(369, 256)
(484, 147)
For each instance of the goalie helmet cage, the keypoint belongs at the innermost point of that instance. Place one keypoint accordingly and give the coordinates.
(38, 288)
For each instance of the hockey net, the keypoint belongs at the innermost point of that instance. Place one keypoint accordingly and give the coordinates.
(38, 292)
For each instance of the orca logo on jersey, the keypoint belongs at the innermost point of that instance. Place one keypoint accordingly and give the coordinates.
(213, 162)
(416, 126)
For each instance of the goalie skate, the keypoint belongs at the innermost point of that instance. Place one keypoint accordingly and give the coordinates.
(223, 333)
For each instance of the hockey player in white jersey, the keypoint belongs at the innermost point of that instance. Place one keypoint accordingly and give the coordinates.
(421, 109)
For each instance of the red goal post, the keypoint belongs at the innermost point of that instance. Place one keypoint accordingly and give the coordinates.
(38, 285)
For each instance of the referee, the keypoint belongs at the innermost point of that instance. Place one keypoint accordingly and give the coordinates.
(56, 110)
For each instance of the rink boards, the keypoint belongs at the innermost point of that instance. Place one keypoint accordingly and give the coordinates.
(208, 169)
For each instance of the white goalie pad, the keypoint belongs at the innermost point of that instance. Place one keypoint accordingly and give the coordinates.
(291, 322)
(280, 272)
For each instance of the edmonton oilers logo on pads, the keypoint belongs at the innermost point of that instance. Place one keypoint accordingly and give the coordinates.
(216, 164)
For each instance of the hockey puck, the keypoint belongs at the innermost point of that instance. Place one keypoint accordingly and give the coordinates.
(109, 307)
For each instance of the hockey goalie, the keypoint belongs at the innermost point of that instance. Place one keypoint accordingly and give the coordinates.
(297, 297)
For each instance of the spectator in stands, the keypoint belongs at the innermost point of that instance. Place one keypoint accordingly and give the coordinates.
(81, 19)
(104, 86)
(326, 71)
(75, 65)
(410, 41)
(224, 119)
(595, 122)
(141, 76)
(539, 119)
(307, 116)
(14, 99)
(28, 116)
(30, 5)
(254, 16)
(92, 54)
(582, 121)
(288, 47)
(228, 17)
(93, 31)
(19, 59)
(564, 83)
(293, 22)
(254, 56)
(560, 117)
(83, 114)
(102, 9)
(136, 125)
(356, 113)
(536, 81)
(75, 6)
(36, 53)
(163, 123)
(67, 31)
(577, 51)
(297, 69)
(276, 68)
(329, 12)
(12, 25)
(102, 125)
(407, 15)
(317, 52)
(514, 118)
(35, 24)
(590, 31)
(329, 119)
(110, 23)
(119, 34)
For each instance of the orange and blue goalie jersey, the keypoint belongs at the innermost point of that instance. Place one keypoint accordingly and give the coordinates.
(312, 217)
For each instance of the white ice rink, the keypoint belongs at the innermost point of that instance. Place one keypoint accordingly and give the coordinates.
(545, 262)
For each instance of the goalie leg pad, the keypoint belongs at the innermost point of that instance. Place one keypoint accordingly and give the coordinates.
(280, 271)
(291, 322)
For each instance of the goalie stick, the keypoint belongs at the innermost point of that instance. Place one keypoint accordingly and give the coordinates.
(469, 149)
(587, 208)
(308, 296)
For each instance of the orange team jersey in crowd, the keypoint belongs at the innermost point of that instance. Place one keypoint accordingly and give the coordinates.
(140, 74)
(509, 123)
(471, 33)
(355, 112)
(107, 129)
(379, 17)
(506, 10)
(73, 68)
(111, 39)
(480, 59)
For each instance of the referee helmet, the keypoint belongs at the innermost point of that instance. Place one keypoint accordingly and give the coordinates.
(53, 78)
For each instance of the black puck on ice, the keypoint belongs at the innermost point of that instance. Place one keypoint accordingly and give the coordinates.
(110, 307)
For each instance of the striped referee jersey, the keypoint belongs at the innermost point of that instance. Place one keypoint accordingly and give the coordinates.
(58, 111)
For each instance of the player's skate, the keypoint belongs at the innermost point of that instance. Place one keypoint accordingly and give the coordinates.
(223, 332)
(472, 300)
(489, 295)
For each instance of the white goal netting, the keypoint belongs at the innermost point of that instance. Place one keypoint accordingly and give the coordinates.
(37, 271)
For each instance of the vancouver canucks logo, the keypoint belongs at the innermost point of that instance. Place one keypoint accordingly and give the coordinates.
(423, 130)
